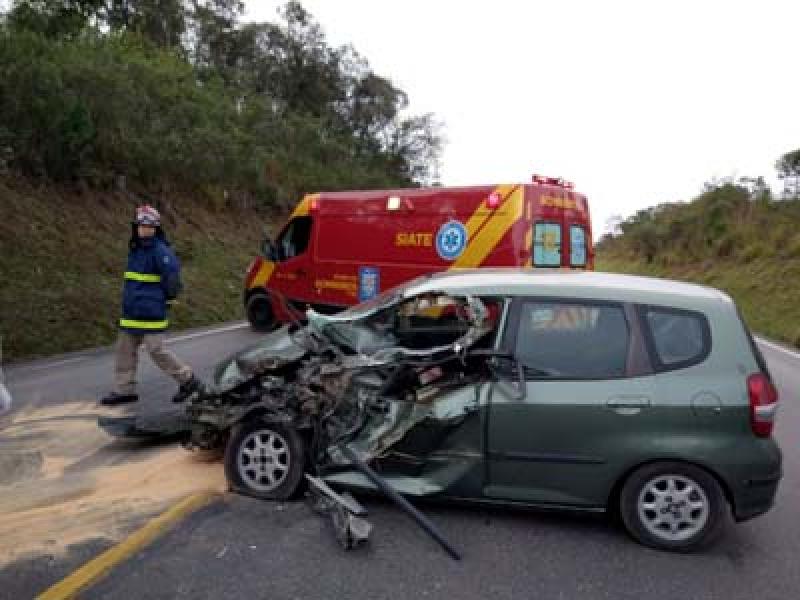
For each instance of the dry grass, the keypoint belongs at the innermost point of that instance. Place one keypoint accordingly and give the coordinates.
(62, 257)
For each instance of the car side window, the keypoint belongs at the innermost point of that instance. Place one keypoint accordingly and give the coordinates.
(572, 340)
(680, 338)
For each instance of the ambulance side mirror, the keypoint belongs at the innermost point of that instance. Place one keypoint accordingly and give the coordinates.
(268, 249)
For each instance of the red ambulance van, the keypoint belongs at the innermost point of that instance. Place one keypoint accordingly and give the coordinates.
(341, 248)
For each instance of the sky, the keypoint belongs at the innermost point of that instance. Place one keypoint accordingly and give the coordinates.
(637, 103)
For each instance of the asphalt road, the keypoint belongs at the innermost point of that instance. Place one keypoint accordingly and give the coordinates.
(89, 375)
(244, 548)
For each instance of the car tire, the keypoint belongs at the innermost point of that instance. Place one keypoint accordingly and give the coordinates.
(672, 506)
(259, 312)
(264, 460)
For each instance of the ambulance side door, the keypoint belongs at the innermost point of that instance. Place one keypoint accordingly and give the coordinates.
(293, 260)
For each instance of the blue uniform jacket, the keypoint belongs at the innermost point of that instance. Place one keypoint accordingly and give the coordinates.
(152, 278)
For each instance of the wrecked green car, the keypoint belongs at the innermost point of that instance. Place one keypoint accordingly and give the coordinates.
(563, 390)
(397, 380)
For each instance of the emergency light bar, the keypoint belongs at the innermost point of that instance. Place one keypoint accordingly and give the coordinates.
(557, 181)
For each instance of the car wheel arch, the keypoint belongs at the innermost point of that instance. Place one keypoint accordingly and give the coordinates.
(612, 503)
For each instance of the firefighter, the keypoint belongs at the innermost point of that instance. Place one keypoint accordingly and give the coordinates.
(151, 280)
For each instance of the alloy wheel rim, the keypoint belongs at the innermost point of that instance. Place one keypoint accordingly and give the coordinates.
(263, 460)
(673, 508)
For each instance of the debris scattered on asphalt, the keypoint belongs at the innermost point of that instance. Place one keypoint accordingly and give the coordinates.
(63, 481)
(347, 515)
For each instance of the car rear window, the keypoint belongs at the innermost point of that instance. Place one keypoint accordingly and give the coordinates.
(679, 338)
(572, 340)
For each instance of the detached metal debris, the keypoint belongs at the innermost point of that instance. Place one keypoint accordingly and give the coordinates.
(347, 515)
(164, 424)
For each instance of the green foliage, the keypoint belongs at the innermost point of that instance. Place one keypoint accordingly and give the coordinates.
(173, 96)
(735, 236)
(788, 167)
(729, 220)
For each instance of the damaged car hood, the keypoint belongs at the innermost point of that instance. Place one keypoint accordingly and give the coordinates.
(273, 351)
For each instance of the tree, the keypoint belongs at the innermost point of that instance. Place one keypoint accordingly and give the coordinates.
(788, 167)
(163, 22)
(177, 95)
(55, 18)
(213, 33)
(612, 225)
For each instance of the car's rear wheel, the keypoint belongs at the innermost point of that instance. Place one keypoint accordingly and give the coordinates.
(265, 460)
(259, 312)
(672, 506)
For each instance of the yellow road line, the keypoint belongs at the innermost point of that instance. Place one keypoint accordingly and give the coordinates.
(96, 569)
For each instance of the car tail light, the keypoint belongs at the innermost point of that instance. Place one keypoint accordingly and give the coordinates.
(763, 404)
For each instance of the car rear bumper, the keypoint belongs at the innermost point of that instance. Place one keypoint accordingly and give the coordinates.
(754, 481)
(755, 496)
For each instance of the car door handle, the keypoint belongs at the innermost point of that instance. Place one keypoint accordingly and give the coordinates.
(628, 402)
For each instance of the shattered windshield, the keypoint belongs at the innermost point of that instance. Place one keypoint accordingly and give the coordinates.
(379, 302)
(427, 321)
(363, 336)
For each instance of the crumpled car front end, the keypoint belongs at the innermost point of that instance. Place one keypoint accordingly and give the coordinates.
(348, 379)
(385, 396)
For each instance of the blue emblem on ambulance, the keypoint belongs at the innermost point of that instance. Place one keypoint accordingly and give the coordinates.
(451, 239)
(369, 283)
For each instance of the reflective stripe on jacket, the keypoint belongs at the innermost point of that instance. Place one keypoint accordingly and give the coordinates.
(152, 277)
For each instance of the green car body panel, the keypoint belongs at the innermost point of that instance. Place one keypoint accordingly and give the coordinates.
(569, 443)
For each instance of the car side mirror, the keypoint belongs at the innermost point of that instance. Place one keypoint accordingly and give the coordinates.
(516, 386)
(508, 372)
(268, 249)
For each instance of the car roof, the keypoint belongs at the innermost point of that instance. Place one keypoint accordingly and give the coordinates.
(569, 284)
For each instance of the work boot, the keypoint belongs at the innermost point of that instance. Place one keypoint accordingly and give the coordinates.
(113, 399)
(188, 389)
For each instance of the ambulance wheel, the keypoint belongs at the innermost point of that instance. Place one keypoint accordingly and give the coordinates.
(259, 312)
